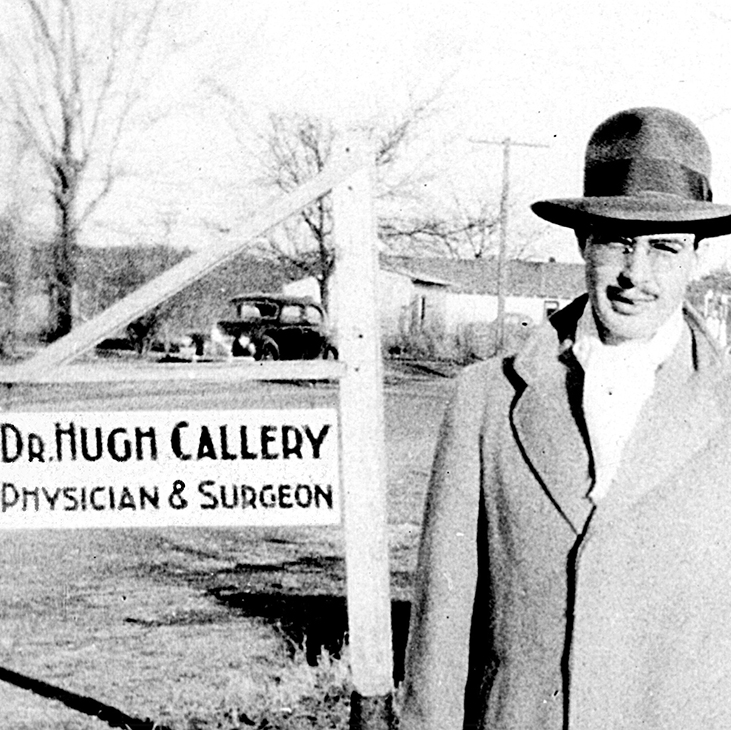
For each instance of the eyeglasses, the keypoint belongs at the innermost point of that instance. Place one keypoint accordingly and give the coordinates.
(660, 250)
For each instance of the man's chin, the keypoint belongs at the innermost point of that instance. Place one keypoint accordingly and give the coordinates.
(621, 325)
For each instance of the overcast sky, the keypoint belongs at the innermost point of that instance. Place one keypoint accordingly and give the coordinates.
(538, 72)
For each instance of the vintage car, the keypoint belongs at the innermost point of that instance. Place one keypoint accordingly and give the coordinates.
(275, 327)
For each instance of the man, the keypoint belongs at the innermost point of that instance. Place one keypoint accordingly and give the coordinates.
(575, 564)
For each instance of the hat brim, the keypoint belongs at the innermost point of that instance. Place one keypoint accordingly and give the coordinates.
(657, 213)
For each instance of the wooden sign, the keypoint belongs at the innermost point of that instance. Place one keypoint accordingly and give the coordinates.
(232, 468)
(155, 468)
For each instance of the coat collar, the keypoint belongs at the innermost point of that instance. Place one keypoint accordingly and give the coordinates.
(547, 420)
(548, 424)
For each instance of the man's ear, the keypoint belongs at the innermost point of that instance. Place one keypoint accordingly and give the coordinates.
(700, 251)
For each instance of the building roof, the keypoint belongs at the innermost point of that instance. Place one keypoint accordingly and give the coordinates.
(544, 279)
(276, 297)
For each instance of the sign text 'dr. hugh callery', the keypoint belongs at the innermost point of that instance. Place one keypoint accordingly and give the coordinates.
(154, 468)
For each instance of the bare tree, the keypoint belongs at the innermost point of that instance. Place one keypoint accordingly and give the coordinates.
(463, 226)
(73, 74)
(8, 282)
(462, 232)
(298, 147)
(290, 149)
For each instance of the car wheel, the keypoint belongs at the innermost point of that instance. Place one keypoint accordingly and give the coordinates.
(268, 350)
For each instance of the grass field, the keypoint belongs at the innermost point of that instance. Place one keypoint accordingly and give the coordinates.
(194, 628)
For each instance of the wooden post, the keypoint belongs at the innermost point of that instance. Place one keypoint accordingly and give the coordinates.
(363, 467)
(362, 448)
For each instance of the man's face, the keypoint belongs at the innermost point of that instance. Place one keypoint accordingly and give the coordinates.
(636, 282)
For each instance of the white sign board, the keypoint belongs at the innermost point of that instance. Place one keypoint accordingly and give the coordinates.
(162, 468)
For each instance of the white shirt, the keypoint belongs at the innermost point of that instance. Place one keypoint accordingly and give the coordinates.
(618, 380)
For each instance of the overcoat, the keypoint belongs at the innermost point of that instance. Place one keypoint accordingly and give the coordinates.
(535, 609)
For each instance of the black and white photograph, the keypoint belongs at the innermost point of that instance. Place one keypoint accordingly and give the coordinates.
(365, 365)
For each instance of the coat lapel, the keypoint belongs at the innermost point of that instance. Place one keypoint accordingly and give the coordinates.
(677, 421)
(548, 424)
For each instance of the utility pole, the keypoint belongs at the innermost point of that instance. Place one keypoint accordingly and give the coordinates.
(502, 282)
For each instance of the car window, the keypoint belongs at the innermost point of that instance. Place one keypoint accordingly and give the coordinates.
(267, 309)
(249, 311)
(313, 315)
(257, 310)
(290, 314)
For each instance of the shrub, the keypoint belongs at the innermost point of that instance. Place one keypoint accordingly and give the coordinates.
(477, 340)
(419, 343)
(472, 341)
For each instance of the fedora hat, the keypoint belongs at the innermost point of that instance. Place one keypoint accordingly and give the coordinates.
(648, 170)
